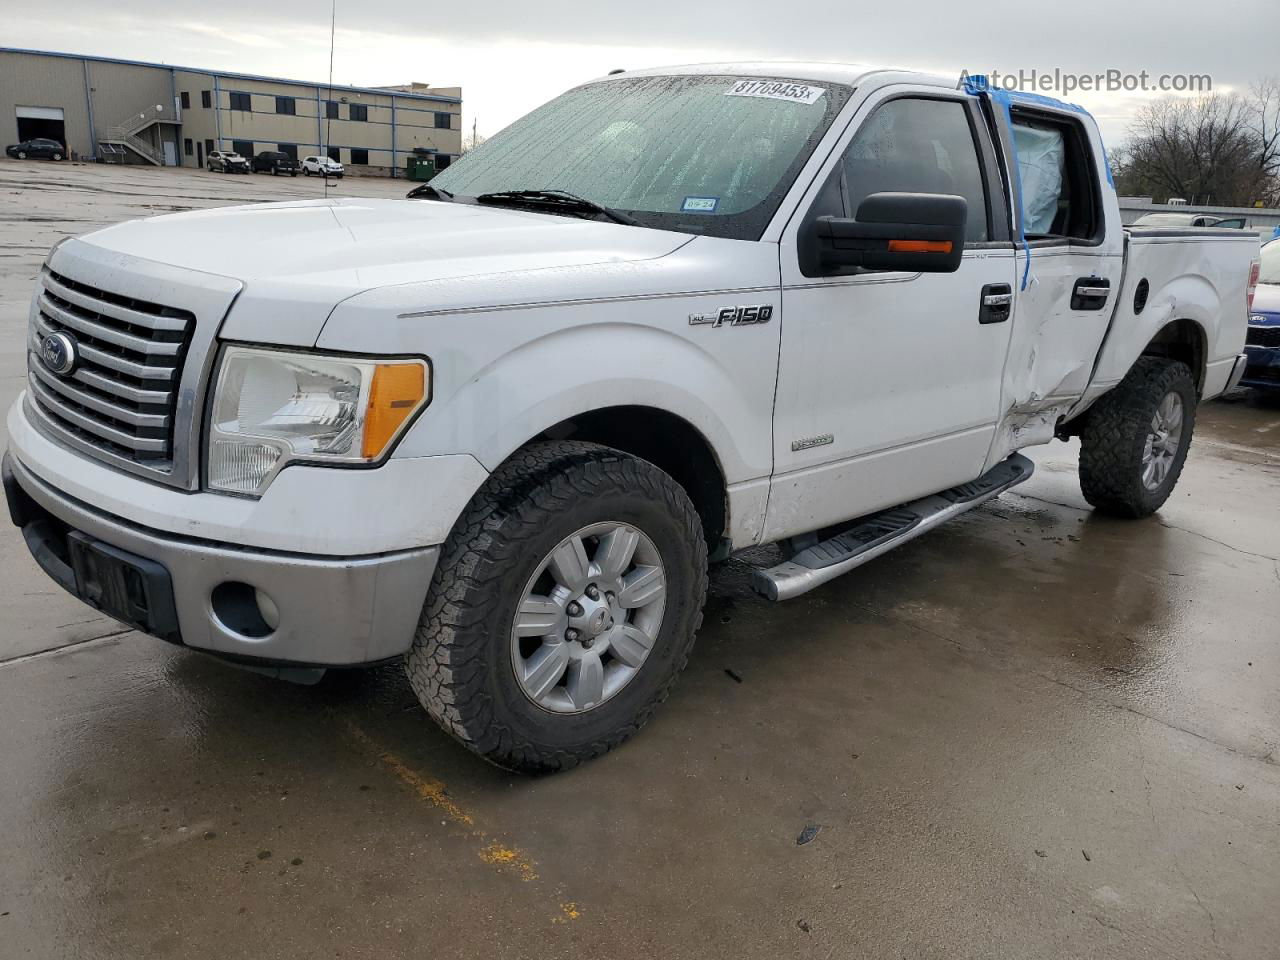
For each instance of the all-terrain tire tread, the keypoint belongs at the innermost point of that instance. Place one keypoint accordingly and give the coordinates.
(1111, 442)
(446, 665)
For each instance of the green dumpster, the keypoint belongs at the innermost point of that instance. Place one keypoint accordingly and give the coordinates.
(420, 167)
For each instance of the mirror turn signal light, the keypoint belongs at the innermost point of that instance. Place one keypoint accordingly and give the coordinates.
(919, 246)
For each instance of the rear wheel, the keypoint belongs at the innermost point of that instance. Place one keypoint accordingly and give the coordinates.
(1136, 440)
(57, 156)
(563, 608)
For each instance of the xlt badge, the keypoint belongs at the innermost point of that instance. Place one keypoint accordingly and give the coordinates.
(734, 316)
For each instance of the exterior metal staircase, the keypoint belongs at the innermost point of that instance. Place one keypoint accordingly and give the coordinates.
(126, 134)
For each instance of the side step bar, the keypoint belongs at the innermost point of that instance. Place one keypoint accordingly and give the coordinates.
(879, 533)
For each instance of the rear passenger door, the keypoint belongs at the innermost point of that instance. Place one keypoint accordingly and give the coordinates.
(1076, 245)
(889, 382)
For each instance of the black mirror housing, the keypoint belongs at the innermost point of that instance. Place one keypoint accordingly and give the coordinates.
(917, 232)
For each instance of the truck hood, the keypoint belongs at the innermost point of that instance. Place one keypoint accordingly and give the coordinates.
(297, 260)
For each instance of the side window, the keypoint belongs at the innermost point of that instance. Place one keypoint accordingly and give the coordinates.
(918, 146)
(1060, 198)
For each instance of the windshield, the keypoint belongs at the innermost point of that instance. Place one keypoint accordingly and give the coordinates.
(1270, 263)
(698, 154)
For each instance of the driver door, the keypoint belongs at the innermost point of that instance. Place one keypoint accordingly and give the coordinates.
(889, 382)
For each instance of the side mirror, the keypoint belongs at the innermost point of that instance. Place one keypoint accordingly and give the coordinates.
(918, 232)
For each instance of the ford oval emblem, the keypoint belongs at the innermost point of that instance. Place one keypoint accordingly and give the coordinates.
(59, 353)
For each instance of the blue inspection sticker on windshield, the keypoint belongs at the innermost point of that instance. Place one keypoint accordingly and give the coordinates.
(700, 204)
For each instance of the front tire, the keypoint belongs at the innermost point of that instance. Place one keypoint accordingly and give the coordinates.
(563, 608)
(22, 154)
(1136, 440)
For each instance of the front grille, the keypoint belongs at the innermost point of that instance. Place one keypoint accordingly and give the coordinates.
(1263, 337)
(121, 396)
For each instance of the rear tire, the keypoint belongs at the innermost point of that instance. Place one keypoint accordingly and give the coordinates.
(475, 671)
(1136, 440)
(57, 156)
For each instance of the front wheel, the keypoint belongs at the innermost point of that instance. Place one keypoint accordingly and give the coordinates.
(563, 608)
(22, 154)
(1136, 440)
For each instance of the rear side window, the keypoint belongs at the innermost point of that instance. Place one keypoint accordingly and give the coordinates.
(1060, 196)
(918, 146)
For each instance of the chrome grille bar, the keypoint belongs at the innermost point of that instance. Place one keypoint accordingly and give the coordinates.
(120, 399)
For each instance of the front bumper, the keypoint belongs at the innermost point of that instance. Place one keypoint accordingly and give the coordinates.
(328, 611)
(1262, 368)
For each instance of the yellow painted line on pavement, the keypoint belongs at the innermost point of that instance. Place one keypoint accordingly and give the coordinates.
(504, 858)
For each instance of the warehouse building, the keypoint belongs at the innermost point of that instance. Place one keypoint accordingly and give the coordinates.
(134, 112)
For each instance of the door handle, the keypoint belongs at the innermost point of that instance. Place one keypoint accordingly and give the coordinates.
(1090, 293)
(996, 303)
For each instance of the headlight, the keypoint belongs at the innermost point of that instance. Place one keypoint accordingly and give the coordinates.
(271, 407)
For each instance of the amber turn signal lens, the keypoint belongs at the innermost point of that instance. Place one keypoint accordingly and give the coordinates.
(919, 246)
(397, 391)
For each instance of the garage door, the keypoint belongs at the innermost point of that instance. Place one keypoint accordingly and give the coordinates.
(41, 122)
(39, 113)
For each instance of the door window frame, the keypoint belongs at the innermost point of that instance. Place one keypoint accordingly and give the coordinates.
(1081, 162)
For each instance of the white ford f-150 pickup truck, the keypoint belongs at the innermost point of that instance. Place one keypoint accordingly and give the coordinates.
(500, 428)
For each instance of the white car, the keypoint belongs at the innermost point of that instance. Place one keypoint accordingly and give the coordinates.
(502, 429)
(226, 161)
(322, 167)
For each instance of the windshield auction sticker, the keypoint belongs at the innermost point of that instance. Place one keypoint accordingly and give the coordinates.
(775, 90)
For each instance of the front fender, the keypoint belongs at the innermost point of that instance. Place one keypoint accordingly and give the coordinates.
(501, 375)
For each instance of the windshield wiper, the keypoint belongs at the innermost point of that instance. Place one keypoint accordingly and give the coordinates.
(429, 192)
(562, 199)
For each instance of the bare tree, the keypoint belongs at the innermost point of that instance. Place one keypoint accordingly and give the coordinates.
(1264, 101)
(1219, 149)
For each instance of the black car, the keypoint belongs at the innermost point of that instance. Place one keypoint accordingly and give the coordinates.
(274, 162)
(40, 147)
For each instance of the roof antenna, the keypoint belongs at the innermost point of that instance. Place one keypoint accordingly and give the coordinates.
(328, 123)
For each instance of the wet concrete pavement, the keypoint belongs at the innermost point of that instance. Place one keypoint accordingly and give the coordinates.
(1033, 733)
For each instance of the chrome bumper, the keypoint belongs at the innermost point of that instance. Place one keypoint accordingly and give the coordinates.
(1237, 371)
(324, 611)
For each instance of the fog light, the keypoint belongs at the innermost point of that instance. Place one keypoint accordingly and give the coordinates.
(245, 610)
(267, 607)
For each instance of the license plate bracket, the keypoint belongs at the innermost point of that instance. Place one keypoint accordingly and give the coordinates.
(136, 591)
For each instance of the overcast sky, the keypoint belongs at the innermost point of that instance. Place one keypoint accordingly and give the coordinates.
(510, 56)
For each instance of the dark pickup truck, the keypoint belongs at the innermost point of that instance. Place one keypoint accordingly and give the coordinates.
(274, 162)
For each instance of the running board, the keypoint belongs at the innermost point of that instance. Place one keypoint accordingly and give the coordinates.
(879, 533)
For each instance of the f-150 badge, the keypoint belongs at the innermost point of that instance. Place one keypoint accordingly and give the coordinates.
(734, 316)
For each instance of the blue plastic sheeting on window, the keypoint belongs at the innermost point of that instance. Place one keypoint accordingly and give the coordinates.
(978, 86)
(1040, 155)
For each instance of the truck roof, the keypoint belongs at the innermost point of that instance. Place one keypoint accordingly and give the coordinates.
(825, 72)
(849, 73)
